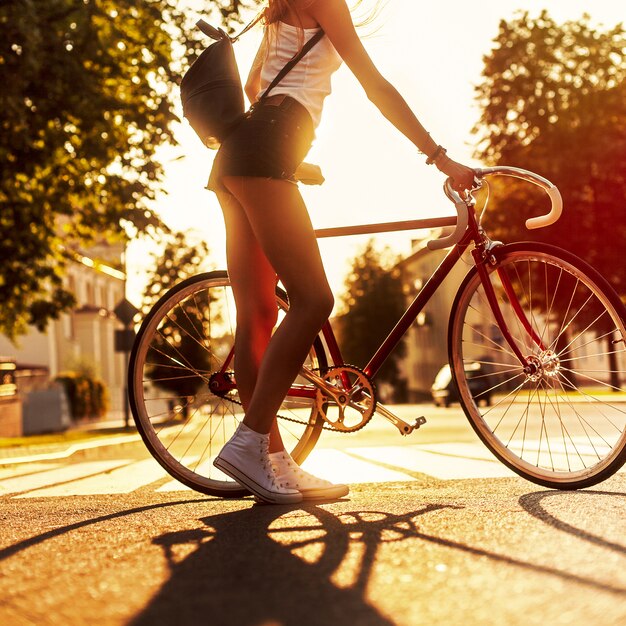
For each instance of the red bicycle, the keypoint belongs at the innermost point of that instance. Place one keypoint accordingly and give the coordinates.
(547, 330)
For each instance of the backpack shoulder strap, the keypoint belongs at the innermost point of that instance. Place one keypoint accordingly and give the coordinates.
(291, 64)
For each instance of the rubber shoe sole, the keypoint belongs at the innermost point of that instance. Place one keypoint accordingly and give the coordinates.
(267, 496)
(325, 493)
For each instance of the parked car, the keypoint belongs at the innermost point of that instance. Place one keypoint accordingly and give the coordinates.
(444, 391)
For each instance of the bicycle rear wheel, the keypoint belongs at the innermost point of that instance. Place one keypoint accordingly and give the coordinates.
(182, 391)
(561, 423)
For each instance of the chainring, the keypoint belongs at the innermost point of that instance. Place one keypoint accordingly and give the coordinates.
(355, 404)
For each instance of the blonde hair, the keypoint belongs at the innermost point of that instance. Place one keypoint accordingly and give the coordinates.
(279, 8)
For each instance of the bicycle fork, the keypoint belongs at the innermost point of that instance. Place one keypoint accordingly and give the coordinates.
(481, 261)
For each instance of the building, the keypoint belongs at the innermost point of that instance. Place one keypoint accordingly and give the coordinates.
(85, 335)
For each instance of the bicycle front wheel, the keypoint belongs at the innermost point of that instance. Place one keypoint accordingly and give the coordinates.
(561, 420)
(182, 390)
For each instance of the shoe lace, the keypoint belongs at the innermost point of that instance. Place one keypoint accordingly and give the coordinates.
(266, 462)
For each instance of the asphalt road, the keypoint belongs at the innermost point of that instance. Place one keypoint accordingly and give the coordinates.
(454, 539)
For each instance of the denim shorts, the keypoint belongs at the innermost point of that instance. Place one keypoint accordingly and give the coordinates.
(270, 141)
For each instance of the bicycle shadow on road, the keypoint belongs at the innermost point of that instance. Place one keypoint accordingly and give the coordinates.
(276, 565)
(306, 565)
(536, 505)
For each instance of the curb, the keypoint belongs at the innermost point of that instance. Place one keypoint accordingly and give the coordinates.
(70, 450)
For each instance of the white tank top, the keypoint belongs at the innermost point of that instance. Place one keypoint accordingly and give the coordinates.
(309, 81)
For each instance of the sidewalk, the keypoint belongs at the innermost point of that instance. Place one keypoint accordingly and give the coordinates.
(86, 434)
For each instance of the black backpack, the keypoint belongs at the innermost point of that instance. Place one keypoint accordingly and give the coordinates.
(211, 89)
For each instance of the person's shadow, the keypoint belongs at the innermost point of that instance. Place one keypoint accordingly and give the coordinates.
(242, 569)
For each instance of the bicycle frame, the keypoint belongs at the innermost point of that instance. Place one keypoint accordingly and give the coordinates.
(472, 234)
(468, 231)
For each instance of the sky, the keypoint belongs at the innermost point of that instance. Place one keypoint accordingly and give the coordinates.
(433, 54)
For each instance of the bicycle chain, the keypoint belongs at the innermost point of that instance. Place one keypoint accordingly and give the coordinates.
(325, 425)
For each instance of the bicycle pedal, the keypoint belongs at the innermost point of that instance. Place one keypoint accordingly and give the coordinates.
(420, 421)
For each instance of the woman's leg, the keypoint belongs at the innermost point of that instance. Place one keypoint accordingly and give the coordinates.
(280, 224)
(254, 287)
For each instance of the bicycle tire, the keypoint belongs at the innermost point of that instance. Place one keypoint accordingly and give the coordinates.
(182, 344)
(562, 425)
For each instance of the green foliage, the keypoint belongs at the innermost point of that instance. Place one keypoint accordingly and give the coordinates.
(83, 366)
(178, 260)
(553, 100)
(372, 304)
(87, 395)
(86, 101)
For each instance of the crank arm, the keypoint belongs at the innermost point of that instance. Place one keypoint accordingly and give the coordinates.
(331, 390)
(320, 383)
(404, 427)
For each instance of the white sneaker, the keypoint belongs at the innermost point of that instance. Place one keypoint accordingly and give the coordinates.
(290, 474)
(245, 458)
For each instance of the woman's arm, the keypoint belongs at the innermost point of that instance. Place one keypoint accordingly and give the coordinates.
(253, 84)
(335, 19)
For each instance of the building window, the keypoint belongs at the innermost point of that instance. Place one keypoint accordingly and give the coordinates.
(71, 287)
(67, 325)
(104, 303)
(90, 294)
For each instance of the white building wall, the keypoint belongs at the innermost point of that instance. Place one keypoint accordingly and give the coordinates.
(84, 334)
(36, 348)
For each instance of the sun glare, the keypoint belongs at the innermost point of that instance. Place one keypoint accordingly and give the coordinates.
(432, 52)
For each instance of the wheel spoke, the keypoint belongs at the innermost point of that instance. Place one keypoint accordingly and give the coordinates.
(562, 420)
(176, 368)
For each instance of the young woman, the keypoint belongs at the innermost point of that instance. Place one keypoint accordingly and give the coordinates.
(269, 233)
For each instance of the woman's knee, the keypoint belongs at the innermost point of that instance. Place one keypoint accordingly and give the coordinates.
(326, 303)
(317, 305)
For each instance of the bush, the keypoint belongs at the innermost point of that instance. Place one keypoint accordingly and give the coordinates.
(87, 395)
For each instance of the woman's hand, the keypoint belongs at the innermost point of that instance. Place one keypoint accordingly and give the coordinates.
(462, 176)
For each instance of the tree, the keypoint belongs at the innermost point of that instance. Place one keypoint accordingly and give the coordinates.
(370, 306)
(178, 260)
(180, 335)
(553, 100)
(86, 102)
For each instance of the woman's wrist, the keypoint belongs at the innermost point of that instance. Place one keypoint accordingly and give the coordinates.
(442, 161)
(436, 155)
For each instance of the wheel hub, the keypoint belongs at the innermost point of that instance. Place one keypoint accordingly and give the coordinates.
(220, 383)
(545, 365)
(551, 363)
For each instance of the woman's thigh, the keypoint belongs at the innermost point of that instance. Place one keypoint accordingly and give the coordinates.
(252, 277)
(280, 223)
